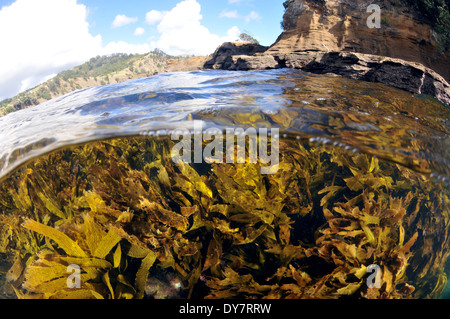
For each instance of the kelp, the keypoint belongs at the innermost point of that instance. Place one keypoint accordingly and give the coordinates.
(103, 269)
(139, 225)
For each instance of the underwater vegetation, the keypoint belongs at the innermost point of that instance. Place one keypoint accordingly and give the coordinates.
(99, 209)
(140, 226)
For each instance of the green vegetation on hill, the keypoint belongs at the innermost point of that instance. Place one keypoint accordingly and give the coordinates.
(104, 65)
(246, 37)
(435, 13)
(99, 70)
(99, 66)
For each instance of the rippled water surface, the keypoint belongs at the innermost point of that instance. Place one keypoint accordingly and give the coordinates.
(362, 181)
(371, 117)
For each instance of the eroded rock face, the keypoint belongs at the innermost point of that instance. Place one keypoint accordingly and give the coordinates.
(408, 76)
(333, 37)
(341, 25)
(227, 55)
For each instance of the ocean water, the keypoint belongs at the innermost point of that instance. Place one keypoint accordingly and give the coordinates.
(217, 184)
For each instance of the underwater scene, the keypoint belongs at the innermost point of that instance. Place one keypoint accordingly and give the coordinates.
(274, 184)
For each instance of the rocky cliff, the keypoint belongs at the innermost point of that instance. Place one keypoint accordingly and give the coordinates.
(334, 37)
(342, 26)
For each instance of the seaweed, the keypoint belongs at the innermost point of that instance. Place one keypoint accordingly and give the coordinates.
(139, 225)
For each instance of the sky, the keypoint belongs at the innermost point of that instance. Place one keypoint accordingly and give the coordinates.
(40, 38)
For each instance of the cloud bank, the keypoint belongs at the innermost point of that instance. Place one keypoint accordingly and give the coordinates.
(42, 38)
(181, 32)
(33, 48)
(122, 20)
(235, 15)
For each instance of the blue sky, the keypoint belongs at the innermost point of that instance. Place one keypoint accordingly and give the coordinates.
(45, 37)
(266, 28)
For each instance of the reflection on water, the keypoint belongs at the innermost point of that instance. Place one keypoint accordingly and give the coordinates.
(88, 179)
(389, 123)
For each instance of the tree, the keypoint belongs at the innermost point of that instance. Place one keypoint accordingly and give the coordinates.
(435, 13)
(245, 37)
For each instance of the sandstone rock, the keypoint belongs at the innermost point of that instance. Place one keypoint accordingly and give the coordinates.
(192, 64)
(341, 25)
(223, 57)
(408, 76)
(333, 37)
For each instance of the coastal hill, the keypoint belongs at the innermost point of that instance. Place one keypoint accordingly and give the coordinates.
(100, 70)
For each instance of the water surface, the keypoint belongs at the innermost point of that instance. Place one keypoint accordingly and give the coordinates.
(88, 179)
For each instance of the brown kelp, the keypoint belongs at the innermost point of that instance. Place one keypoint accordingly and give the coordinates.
(136, 225)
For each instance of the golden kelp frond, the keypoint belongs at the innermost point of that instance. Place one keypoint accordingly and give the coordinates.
(141, 226)
(165, 216)
(359, 238)
(50, 274)
(236, 286)
(63, 241)
(101, 268)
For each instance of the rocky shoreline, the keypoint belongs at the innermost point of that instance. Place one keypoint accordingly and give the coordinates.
(332, 37)
(409, 76)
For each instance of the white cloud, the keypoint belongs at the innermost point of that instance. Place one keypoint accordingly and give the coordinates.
(122, 20)
(154, 16)
(229, 14)
(252, 16)
(233, 14)
(45, 37)
(232, 34)
(42, 38)
(139, 31)
(181, 31)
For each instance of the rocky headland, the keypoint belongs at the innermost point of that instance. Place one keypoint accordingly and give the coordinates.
(334, 37)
